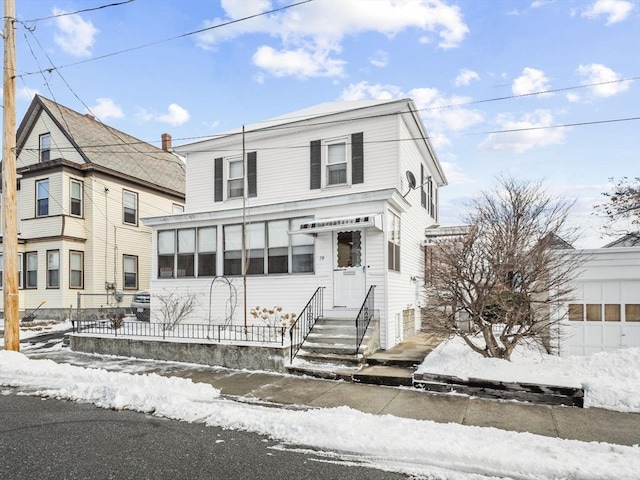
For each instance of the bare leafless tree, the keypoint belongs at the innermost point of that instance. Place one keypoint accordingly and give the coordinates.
(506, 279)
(175, 307)
(623, 203)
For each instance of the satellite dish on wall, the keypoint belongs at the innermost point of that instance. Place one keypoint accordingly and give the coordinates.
(411, 181)
(411, 178)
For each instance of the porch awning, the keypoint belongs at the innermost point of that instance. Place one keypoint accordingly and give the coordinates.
(340, 223)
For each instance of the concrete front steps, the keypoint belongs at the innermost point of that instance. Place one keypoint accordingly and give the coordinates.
(393, 367)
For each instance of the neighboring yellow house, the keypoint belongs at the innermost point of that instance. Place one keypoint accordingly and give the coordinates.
(82, 189)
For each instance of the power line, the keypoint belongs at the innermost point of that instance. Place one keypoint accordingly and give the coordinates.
(78, 11)
(579, 124)
(195, 32)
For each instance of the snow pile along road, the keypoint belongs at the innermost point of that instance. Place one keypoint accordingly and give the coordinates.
(445, 451)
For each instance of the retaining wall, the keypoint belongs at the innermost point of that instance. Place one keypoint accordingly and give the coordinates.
(253, 357)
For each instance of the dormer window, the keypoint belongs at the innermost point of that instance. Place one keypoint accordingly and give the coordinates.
(45, 147)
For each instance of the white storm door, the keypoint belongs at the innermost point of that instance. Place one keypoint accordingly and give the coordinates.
(348, 269)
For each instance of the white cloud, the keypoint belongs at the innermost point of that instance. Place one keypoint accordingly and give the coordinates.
(439, 113)
(465, 77)
(26, 93)
(435, 109)
(75, 35)
(105, 108)
(573, 97)
(314, 31)
(176, 115)
(365, 90)
(531, 81)
(540, 3)
(615, 10)
(598, 73)
(379, 59)
(527, 133)
(298, 63)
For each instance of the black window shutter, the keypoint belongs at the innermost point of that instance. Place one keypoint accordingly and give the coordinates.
(252, 175)
(357, 158)
(423, 194)
(217, 180)
(316, 169)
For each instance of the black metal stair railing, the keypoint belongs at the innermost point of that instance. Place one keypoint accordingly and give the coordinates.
(364, 317)
(305, 322)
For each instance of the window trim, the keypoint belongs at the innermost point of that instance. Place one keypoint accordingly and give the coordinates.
(73, 181)
(44, 152)
(49, 285)
(229, 179)
(27, 255)
(347, 161)
(38, 199)
(81, 286)
(124, 272)
(135, 196)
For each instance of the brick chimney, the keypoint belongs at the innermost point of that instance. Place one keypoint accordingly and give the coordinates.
(166, 142)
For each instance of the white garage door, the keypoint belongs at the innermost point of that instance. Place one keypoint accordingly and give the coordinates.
(605, 316)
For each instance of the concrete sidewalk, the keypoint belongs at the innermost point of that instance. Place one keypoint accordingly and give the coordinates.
(278, 390)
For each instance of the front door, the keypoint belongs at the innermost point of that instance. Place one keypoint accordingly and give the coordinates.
(348, 269)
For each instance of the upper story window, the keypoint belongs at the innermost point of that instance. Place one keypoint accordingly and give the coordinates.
(339, 161)
(130, 207)
(45, 147)
(75, 196)
(235, 179)
(229, 181)
(42, 198)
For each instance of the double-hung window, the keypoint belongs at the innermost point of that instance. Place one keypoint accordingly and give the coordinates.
(302, 247)
(393, 242)
(186, 252)
(130, 207)
(255, 248)
(278, 246)
(42, 198)
(75, 197)
(45, 147)
(232, 249)
(207, 246)
(76, 269)
(31, 279)
(337, 163)
(130, 271)
(53, 268)
(166, 253)
(235, 179)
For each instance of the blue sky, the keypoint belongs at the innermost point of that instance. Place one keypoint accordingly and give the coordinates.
(133, 66)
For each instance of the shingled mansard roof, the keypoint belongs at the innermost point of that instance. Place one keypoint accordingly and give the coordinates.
(108, 149)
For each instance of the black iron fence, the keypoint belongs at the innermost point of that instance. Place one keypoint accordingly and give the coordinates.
(118, 327)
(305, 321)
(364, 317)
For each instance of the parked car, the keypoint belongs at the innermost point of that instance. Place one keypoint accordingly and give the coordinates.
(141, 305)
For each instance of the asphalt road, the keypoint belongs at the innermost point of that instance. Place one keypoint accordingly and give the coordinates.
(52, 439)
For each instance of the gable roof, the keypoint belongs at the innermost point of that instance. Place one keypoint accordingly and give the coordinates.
(629, 240)
(107, 148)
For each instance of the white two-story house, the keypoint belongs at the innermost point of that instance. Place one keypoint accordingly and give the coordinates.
(336, 197)
(82, 189)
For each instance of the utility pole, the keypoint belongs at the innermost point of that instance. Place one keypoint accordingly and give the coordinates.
(10, 227)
